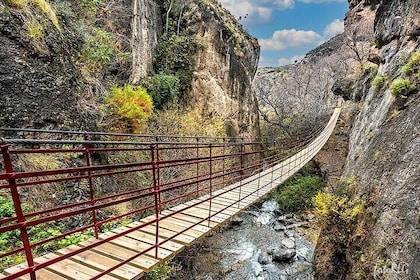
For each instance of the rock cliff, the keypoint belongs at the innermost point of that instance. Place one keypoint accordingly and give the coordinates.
(382, 165)
(225, 67)
(146, 29)
(37, 76)
(56, 73)
(371, 162)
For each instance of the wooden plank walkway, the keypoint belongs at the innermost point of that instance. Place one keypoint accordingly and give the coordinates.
(178, 227)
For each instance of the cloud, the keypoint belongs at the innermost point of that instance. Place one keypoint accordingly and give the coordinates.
(286, 38)
(256, 11)
(292, 38)
(292, 60)
(334, 28)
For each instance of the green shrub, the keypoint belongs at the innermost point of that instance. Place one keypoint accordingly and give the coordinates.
(174, 56)
(97, 52)
(413, 65)
(133, 104)
(90, 8)
(401, 87)
(43, 5)
(179, 121)
(371, 69)
(34, 29)
(379, 81)
(165, 90)
(12, 239)
(296, 194)
(162, 272)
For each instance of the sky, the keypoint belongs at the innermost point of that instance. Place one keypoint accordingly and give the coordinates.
(288, 29)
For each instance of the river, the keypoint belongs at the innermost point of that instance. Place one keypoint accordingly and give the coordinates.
(259, 244)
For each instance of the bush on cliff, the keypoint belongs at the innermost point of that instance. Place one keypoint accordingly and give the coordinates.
(296, 193)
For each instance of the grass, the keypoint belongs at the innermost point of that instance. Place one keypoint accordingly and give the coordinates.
(162, 272)
(45, 7)
(17, 4)
(35, 29)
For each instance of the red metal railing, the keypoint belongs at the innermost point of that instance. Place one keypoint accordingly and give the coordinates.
(119, 177)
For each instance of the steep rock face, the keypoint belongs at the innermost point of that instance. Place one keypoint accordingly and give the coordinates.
(395, 20)
(42, 76)
(45, 86)
(146, 29)
(383, 163)
(225, 67)
(36, 77)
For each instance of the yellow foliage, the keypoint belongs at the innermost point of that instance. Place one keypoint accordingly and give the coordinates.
(194, 123)
(34, 29)
(353, 209)
(322, 203)
(328, 205)
(131, 103)
(36, 162)
(45, 7)
(18, 4)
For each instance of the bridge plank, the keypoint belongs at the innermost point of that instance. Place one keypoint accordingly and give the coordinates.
(71, 269)
(102, 263)
(195, 231)
(41, 274)
(222, 199)
(198, 226)
(197, 212)
(179, 226)
(250, 187)
(246, 200)
(137, 245)
(165, 233)
(228, 201)
(243, 192)
(151, 239)
(201, 225)
(121, 254)
(216, 208)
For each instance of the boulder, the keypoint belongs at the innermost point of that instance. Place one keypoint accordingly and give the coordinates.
(264, 258)
(283, 252)
(236, 221)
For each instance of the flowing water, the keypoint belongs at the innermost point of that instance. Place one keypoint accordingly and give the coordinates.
(251, 248)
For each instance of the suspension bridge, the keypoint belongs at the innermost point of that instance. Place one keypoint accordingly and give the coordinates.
(133, 201)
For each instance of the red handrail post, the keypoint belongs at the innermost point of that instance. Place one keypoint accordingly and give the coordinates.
(223, 163)
(260, 170)
(18, 208)
(156, 192)
(197, 165)
(91, 190)
(157, 167)
(241, 172)
(210, 180)
(281, 150)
